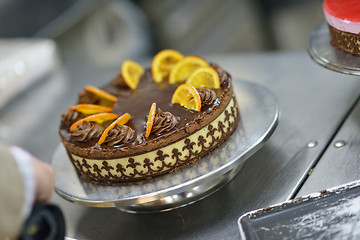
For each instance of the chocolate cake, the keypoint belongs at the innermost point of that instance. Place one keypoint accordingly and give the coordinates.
(179, 136)
(343, 20)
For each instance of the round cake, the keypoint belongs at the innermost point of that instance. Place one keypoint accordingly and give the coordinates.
(149, 122)
(343, 18)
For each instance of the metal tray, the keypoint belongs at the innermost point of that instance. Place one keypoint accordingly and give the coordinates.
(328, 56)
(329, 214)
(259, 111)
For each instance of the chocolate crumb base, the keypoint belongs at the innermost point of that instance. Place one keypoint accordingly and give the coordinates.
(345, 41)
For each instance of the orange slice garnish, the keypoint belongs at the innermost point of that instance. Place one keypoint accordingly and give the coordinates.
(204, 77)
(101, 94)
(89, 109)
(120, 121)
(187, 96)
(100, 118)
(163, 62)
(150, 120)
(185, 67)
(131, 72)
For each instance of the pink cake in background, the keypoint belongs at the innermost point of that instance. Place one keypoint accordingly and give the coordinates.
(343, 18)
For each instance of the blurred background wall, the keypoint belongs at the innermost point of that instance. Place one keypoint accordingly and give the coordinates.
(106, 32)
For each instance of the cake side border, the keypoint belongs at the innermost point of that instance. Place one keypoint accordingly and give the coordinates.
(166, 159)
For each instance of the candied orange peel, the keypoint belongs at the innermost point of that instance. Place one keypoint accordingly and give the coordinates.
(187, 96)
(100, 118)
(90, 109)
(185, 67)
(204, 77)
(150, 121)
(131, 72)
(163, 62)
(101, 94)
(123, 119)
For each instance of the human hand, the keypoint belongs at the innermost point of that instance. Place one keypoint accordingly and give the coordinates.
(43, 174)
(44, 180)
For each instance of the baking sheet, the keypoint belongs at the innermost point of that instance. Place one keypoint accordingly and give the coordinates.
(328, 214)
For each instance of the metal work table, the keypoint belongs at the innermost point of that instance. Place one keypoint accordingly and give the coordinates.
(318, 109)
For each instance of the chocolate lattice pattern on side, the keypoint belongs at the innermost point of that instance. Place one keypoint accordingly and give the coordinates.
(348, 42)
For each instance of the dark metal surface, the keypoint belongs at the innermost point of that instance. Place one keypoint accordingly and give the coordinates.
(340, 163)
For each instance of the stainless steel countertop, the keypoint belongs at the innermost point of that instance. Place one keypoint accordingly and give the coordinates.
(340, 162)
(314, 102)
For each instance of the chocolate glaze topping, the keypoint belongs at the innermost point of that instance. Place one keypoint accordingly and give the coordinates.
(138, 102)
(163, 122)
(119, 134)
(69, 117)
(87, 131)
(207, 96)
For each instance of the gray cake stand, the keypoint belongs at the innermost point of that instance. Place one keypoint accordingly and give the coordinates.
(328, 56)
(259, 112)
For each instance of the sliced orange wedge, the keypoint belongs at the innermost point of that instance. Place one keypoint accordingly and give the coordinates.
(89, 109)
(120, 121)
(187, 96)
(100, 118)
(101, 94)
(131, 72)
(150, 120)
(185, 67)
(163, 62)
(204, 77)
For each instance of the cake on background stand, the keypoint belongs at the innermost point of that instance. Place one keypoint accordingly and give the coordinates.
(334, 44)
(330, 57)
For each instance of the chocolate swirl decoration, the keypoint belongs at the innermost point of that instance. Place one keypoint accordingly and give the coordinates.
(87, 131)
(119, 81)
(69, 117)
(207, 96)
(163, 122)
(87, 97)
(224, 77)
(118, 135)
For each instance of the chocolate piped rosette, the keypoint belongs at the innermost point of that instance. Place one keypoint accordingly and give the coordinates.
(150, 122)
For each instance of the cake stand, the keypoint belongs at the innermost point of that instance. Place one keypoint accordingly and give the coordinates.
(259, 112)
(328, 56)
